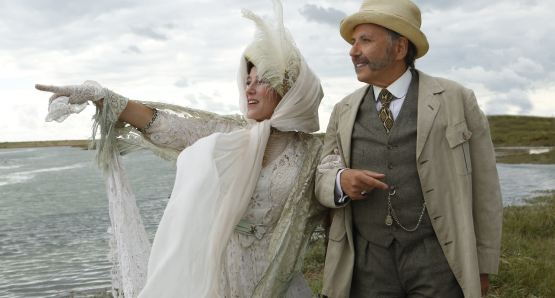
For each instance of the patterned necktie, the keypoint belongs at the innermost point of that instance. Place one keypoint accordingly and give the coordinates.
(385, 113)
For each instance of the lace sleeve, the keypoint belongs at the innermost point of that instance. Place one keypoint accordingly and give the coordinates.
(180, 129)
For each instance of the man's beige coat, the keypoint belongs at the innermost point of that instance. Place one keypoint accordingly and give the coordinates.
(458, 174)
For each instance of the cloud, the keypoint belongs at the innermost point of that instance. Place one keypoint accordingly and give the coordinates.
(468, 5)
(514, 102)
(211, 103)
(144, 50)
(134, 48)
(527, 66)
(499, 81)
(182, 82)
(149, 32)
(330, 16)
(29, 115)
(219, 107)
(192, 99)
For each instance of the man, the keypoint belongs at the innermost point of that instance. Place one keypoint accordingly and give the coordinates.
(419, 208)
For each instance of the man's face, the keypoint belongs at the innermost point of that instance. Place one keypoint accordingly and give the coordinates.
(370, 52)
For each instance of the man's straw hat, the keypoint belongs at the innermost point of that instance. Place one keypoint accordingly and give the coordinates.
(401, 16)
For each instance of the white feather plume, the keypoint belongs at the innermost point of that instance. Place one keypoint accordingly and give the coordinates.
(273, 50)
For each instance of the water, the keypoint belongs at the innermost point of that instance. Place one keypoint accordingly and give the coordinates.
(519, 181)
(54, 217)
(54, 214)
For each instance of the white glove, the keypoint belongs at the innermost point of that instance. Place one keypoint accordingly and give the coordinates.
(330, 162)
(72, 99)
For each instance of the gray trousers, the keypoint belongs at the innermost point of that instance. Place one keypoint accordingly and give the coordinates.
(416, 270)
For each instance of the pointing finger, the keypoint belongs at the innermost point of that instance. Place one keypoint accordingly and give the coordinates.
(373, 182)
(54, 89)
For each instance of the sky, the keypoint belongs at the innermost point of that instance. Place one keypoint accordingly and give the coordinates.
(187, 53)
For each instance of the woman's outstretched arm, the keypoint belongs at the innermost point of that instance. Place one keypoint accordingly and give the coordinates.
(134, 113)
(165, 130)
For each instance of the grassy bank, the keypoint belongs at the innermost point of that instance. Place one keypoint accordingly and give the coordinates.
(516, 131)
(72, 143)
(527, 264)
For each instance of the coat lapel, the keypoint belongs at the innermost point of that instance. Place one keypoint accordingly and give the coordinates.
(347, 120)
(428, 107)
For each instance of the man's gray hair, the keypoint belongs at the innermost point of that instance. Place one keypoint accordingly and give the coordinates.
(392, 37)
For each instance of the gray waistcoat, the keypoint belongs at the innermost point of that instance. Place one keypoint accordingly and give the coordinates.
(394, 155)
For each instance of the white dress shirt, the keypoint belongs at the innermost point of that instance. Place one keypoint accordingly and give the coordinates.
(399, 89)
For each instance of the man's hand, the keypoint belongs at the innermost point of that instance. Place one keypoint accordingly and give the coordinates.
(484, 283)
(353, 182)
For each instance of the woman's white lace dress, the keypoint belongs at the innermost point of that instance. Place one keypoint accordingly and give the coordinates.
(246, 256)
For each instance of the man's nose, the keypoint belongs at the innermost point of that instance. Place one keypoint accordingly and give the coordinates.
(355, 51)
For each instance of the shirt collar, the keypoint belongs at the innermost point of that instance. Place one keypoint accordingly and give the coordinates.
(399, 88)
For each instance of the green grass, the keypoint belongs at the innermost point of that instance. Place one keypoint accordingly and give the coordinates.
(511, 131)
(313, 266)
(527, 264)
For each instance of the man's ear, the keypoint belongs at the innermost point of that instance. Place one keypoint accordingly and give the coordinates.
(401, 48)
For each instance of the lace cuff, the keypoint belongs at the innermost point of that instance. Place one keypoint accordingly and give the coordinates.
(117, 102)
(105, 119)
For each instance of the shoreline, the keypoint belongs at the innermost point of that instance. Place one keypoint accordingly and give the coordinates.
(547, 158)
(36, 144)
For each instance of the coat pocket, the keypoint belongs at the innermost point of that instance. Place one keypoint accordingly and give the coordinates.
(458, 136)
(337, 229)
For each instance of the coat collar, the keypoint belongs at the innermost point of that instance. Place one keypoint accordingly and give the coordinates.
(428, 107)
(349, 114)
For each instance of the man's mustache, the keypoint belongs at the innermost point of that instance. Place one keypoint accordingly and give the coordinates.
(360, 60)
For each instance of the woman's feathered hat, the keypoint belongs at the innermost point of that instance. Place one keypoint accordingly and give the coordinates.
(273, 50)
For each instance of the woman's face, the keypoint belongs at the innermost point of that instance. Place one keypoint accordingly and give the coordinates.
(262, 99)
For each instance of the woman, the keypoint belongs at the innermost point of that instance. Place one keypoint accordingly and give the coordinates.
(242, 209)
